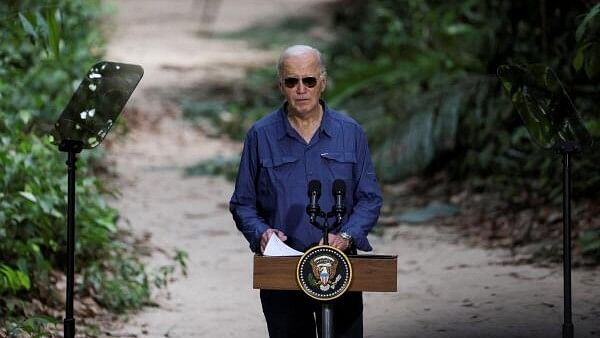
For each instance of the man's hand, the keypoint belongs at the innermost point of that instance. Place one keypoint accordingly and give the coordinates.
(264, 238)
(337, 242)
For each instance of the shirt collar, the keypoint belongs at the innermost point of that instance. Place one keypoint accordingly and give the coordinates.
(327, 125)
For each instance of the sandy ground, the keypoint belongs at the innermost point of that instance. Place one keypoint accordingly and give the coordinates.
(446, 289)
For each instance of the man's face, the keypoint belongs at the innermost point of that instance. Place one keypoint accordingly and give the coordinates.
(302, 83)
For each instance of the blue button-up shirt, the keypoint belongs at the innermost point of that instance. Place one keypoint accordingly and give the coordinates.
(276, 166)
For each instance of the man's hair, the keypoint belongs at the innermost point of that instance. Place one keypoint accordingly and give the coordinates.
(299, 50)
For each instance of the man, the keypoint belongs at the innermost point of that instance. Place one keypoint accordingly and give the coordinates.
(304, 140)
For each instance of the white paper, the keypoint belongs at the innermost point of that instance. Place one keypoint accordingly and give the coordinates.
(275, 247)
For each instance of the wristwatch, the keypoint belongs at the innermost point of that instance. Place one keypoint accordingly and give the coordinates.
(347, 237)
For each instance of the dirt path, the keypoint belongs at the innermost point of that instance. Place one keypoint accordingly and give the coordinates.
(445, 288)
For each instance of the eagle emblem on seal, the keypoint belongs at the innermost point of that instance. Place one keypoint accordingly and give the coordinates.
(324, 268)
(324, 272)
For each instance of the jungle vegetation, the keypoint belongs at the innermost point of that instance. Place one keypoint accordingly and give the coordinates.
(46, 48)
(420, 76)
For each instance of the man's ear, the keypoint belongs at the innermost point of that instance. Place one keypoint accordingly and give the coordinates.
(324, 83)
(280, 86)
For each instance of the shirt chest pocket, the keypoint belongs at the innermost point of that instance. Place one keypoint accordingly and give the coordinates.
(340, 164)
(278, 171)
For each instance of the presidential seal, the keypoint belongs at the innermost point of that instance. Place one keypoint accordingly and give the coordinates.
(324, 272)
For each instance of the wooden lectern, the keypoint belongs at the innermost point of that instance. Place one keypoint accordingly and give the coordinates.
(371, 273)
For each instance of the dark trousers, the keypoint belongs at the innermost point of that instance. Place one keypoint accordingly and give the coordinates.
(292, 314)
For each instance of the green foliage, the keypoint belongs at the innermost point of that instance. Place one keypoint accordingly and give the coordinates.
(420, 76)
(33, 327)
(35, 187)
(35, 84)
(44, 28)
(423, 93)
(13, 280)
(587, 56)
(46, 48)
(120, 283)
(425, 73)
(432, 67)
(590, 243)
(181, 257)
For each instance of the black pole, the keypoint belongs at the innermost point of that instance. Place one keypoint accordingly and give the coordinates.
(327, 310)
(326, 307)
(69, 322)
(327, 320)
(567, 328)
(326, 232)
(72, 148)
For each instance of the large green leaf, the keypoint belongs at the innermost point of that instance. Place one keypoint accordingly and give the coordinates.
(587, 55)
(53, 31)
(27, 26)
(13, 280)
(429, 129)
(365, 76)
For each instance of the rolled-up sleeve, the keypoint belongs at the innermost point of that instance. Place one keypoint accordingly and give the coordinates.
(367, 197)
(243, 202)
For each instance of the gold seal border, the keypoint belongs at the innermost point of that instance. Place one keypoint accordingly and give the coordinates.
(308, 252)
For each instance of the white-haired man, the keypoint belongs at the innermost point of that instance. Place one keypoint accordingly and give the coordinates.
(303, 140)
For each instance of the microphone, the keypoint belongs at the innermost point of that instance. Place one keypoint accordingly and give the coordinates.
(314, 193)
(339, 192)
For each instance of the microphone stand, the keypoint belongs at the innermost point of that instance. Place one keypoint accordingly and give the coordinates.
(327, 329)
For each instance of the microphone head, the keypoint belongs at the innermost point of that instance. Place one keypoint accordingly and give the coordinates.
(339, 187)
(314, 187)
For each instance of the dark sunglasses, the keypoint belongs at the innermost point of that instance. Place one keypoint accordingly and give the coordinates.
(291, 82)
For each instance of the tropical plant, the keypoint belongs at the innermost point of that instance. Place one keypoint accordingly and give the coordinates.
(427, 93)
(46, 46)
(420, 76)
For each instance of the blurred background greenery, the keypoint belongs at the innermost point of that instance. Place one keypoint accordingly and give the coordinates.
(420, 76)
(46, 48)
